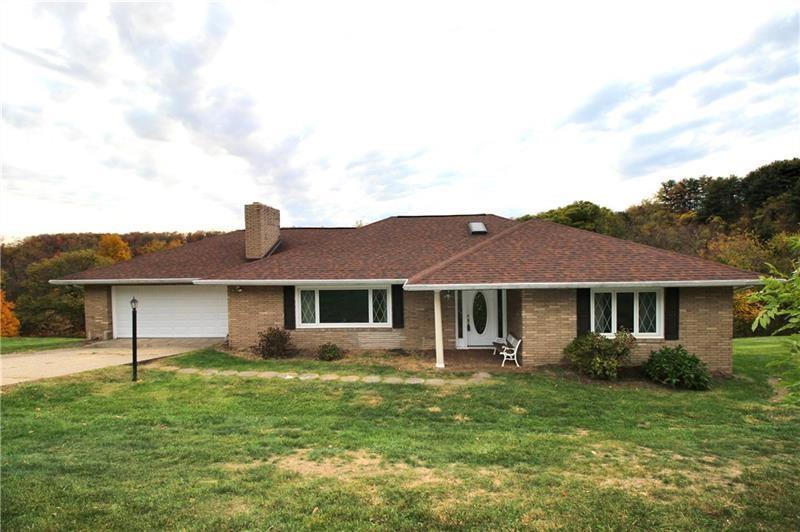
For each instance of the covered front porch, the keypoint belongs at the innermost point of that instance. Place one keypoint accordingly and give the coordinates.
(474, 321)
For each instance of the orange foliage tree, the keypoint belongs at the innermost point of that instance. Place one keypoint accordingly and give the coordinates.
(113, 247)
(9, 324)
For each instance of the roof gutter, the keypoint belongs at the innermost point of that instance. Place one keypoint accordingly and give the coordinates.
(176, 280)
(601, 284)
(297, 282)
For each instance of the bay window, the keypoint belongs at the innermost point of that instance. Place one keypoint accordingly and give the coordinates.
(343, 307)
(637, 311)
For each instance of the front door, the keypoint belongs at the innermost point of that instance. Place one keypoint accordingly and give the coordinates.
(480, 317)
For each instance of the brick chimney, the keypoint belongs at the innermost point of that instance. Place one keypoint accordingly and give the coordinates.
(262, 229)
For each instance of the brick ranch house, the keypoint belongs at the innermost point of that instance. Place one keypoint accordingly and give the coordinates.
(421, 283)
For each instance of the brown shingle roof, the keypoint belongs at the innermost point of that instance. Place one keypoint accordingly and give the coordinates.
(393, 248)
(543, 252)
(426, 250)
(190, 261)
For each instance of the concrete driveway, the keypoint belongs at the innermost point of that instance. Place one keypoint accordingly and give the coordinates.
(31, 366)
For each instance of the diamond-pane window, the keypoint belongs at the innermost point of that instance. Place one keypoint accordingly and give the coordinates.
(602, 312)
(380, 312)
(647, 312)
(308, 310)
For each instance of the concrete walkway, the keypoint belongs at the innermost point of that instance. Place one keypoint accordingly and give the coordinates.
(30, 366)
(477, 378)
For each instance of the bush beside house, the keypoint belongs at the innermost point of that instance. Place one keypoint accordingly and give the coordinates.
(598, 356)
(329, 352)
(676, 367)
(275, 343)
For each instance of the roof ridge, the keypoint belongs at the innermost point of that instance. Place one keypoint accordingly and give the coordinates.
(479, 245)
(398, 216)
(646, 246)
(319, 227)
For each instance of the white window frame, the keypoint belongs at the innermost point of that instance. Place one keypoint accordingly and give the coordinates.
(317, 325)
(658, 335)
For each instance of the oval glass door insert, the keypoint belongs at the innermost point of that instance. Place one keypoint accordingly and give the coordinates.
(479, 315)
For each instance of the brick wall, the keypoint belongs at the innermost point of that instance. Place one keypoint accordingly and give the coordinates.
(97, 312)
(262, 229)
(255, 309)
(548, 324)
(548, 321)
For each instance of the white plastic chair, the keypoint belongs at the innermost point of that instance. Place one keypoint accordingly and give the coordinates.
(509, 352)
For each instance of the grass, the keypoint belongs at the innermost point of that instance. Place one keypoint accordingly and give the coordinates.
(527, 451)
(364, 364)
(18, 344)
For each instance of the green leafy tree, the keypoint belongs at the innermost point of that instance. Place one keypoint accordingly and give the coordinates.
(780, 300)
(585, 215)
(55, 310)
(722, 198)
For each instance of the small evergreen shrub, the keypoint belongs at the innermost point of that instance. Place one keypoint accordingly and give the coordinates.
(329, 352)
(676, 367)
(275, 343)
(598, 356)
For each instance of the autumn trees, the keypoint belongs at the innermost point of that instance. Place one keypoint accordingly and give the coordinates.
(28, 265)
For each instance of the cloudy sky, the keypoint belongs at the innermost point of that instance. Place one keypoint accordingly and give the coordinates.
(170, 117)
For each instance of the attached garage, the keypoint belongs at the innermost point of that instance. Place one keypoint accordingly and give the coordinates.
(171, 311)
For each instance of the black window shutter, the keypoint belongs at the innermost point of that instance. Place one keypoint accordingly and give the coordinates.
(398, 321)
(288, 307)
(672, 313)
(584, 311)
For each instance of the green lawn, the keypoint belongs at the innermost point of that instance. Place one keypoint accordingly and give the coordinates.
(183, 451)
(18, 344)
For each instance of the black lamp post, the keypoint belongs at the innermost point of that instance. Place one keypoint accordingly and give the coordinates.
(134, 303)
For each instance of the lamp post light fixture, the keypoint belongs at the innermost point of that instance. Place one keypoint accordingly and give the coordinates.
(134, 304)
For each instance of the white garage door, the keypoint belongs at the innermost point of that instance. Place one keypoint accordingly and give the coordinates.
(171, 311)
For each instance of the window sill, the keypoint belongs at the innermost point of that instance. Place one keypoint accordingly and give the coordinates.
(345, 326)
(638, 336)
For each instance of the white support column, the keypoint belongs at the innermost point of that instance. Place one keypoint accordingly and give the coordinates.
(437, 325)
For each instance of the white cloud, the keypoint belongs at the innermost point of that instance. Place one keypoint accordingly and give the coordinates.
(170, 117)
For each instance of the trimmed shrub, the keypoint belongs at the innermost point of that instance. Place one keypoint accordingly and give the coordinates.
(329, 352)
(676, 367)
(598, 356)
(275, 343)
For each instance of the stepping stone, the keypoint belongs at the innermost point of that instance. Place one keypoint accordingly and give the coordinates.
(482, 375)
(435, 382)
(457, 382)
(329, 377)
(229, 372)
(350, 378)
(309, 376)
(188, 370)
(371, 379)
(248, 373)
(210, 372)
(393, 380)
(287, 376)
(414, 380)
(267, 374)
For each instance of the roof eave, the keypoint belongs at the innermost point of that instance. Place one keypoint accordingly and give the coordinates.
(595, 284)
(297, 282)
(175, 280)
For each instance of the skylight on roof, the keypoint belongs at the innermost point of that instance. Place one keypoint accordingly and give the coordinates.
(477, 228)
